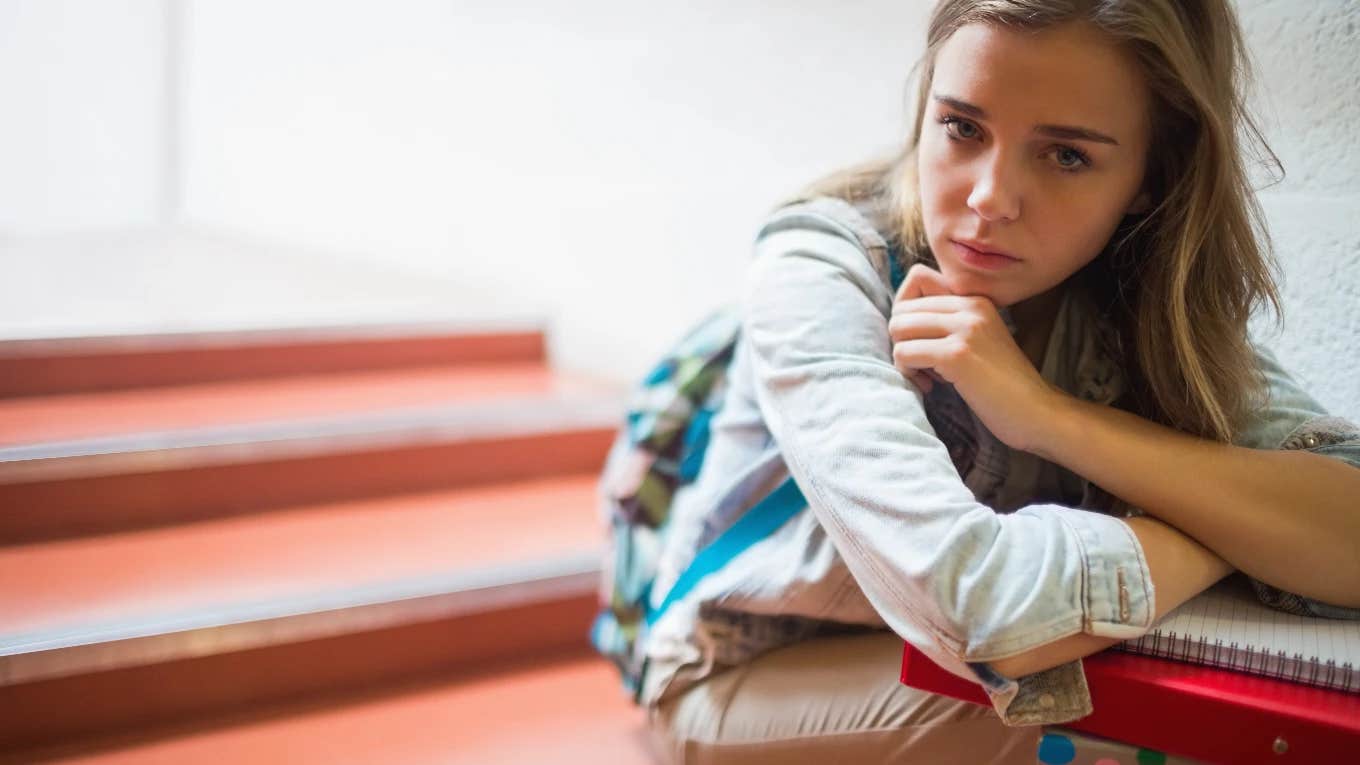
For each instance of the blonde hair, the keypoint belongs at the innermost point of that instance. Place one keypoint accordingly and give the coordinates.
(1180, 281)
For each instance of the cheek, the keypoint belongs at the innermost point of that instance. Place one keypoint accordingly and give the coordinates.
(940, 182)
(1082, 222)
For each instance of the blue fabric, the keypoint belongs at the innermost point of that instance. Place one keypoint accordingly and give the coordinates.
(758, 523)
(895, 269)
(660, 373)
(696, 443)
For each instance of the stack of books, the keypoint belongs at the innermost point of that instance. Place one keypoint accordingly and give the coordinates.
(1222, 678)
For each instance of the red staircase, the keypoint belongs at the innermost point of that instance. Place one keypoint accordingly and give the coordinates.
(346, 545)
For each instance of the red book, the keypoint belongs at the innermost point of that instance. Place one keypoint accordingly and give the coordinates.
(1192, 710)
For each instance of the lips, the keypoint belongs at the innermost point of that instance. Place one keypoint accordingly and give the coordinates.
(978, 260)
(985, 249)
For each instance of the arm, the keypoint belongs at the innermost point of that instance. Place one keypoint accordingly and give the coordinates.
(1181, 568)
(1263, 511)
(944, 571)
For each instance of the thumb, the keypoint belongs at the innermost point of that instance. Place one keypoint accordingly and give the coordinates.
(922, 280)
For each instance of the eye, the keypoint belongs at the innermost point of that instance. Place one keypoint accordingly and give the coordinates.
(1070, 160)
(959, 129)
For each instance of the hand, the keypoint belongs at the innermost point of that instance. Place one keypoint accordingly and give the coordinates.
(940, 336)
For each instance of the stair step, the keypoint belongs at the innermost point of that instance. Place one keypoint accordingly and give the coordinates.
(217, 532)
(61, 425)
(140, 629)
(534, 425)
(567, 711)
(105, 602)
(80, 708)
(66, 365)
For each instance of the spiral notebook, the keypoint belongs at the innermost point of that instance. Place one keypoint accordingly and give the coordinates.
(1227, 626)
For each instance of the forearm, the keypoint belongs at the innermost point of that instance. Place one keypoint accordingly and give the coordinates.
(1263, 511)
(1180, 568)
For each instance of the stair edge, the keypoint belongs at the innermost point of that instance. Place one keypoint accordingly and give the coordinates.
(63, 653)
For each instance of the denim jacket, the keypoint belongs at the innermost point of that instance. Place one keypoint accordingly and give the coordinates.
(920, 521)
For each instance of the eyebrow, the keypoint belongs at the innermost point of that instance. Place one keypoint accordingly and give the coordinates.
(1069, 132)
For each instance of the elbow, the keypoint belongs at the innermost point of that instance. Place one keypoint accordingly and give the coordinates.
(1020, 665)
(1050, 655)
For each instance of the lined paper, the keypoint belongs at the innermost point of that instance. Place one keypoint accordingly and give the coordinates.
(1227, 626)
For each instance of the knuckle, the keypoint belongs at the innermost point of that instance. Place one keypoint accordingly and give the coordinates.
(901, 356)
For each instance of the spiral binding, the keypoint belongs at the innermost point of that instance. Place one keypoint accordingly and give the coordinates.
(1296, 668)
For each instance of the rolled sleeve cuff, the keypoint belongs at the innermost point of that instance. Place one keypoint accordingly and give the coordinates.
(1337, 438)
(1118, 591)
(1056, 695)
(1118, 601)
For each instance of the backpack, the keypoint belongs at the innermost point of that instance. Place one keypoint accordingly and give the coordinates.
(658, 451)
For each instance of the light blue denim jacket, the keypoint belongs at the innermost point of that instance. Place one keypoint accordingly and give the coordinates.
(894, 538)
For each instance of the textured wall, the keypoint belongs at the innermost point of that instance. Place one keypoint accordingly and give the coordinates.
(1309, 101)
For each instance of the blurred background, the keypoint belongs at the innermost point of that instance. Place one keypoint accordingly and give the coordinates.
(601, 167)
(300, 299)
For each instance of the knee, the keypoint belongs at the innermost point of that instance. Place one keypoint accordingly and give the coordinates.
(680, 727)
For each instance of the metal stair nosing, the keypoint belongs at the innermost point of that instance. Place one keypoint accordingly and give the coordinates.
(101, 679)
(43, 366)
(98, 485)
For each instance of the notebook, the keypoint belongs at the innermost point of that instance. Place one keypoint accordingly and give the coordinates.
(1227, 626)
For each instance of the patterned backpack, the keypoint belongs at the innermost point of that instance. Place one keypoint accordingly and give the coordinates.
(659, 450)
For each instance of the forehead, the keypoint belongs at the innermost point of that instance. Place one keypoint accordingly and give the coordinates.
(1071, 74)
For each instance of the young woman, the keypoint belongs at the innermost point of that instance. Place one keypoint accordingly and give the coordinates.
(1054, 432)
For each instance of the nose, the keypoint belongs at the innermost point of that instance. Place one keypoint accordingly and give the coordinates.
(996, 195)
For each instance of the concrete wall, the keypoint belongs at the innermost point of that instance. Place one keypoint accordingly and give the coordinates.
(1309, 98)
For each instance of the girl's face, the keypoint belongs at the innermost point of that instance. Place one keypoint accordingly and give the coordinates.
(1033, 146)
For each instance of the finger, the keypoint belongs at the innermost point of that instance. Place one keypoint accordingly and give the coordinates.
(922, 280)
(921, 380)
(935, 354)
(936, 304)
(914, 325)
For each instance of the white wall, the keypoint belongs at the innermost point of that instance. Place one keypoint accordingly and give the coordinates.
(600, 162)
(1309, 83)
(606, 161)
(82, 131)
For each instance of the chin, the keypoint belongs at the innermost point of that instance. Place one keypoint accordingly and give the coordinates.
(965, 282)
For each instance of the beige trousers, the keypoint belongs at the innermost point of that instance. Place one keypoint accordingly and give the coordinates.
(831, 700)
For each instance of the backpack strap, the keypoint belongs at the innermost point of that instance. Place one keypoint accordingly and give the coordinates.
(754, 525)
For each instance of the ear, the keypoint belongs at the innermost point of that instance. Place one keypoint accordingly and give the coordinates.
(1140, 204)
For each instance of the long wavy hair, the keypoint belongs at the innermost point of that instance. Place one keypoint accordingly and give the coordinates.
(1180, 281)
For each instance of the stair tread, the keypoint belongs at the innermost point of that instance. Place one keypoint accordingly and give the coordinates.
(69, 417)
(293, 552)
(568, 711)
